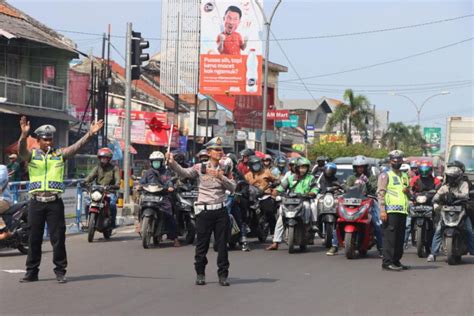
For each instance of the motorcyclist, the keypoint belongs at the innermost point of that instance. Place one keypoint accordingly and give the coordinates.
(413, 169)
(243, 167)
(203, 156)
(328, 177)
(424, 181)
(181, 160)
(159, 174)
(455, 187)
(318, 169)
(362, 176)
(267, 162)
(302, 182)
(5, 201)
(405, 168)
(280, 169)
(106, 174)
(261, 178)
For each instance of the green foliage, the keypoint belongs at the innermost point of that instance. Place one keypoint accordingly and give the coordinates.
(334, 150)
(405, 137)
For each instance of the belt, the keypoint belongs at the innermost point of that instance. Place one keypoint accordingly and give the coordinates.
(46, 199)
(210, 207)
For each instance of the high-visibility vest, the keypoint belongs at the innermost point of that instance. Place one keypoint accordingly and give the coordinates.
(396, 201)
(46, 172)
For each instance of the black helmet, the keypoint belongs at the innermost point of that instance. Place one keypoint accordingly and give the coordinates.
(322, 158)
(281, 162)
(454, 174)
(247, 152)
(232, 157)
(457, 163)
(255, 163)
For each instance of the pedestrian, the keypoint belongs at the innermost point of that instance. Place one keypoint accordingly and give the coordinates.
(14, 168)
(46, 169)
(211, 212)
(393, 189)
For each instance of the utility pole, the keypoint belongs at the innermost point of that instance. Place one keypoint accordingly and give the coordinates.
(374, 120)
(126, 130)
(268, 23)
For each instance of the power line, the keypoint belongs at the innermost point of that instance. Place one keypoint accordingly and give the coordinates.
(379, 85)
(390, 29)
(384, 62)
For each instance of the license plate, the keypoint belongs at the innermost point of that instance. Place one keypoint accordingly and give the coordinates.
(99, 205)
(152, 199)
(292, 201)
(352, 201)
(193, 194)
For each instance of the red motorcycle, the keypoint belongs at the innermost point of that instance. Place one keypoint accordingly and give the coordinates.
(99, 217)
(354, 224)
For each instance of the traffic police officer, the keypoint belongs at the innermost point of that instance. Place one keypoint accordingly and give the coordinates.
(46, 170)
(211, 214)
(393, 188)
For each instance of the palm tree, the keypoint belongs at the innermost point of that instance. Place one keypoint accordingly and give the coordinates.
(401, 136)
(356, 112)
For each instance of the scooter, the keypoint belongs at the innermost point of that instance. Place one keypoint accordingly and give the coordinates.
(295, 214)
(16, 218)
(453, 217)
(422, 228)
(354, 226)
(257, 220)
(327, 205)
(187, 195)
(99, 211)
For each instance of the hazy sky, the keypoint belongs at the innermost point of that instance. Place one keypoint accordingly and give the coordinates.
(418, 77)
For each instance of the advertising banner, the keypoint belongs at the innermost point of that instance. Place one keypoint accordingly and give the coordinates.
(332, 138)
(433, 139)
(291, 123)
(278, 115)
(231, 47)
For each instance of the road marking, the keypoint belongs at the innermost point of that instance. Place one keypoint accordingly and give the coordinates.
(14, 271)
(128, 231)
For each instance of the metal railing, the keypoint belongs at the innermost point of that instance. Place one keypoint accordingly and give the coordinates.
(29, 93)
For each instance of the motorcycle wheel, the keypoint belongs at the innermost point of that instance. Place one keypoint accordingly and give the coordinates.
(263, 230)
(450, 243)
(291, 239)
(349, 246)
(91, 227)
(419, 237)
(328, 236)
(147, 232)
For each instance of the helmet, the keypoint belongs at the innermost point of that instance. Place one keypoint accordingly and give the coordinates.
(414, 164)
(459, 164)
(202, 152)
(360, 161)
(267, 157)
(425, 169)
(293, 161)
(105, 153)
(247, 152)
(330, 169)
(255, 163)
(157, 155)
(454, 174)
(281, 162)
(179, 157)
(303, 162)
(322, 158)
(233, 158)
(405, 167)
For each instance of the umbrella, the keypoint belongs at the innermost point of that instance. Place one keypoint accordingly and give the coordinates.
(31, 143)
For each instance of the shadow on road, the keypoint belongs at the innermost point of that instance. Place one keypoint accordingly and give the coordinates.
(16, 253)
(424, 267)
(250, 281)
(91, 277)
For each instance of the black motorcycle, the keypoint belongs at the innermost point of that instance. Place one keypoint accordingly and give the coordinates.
(186, 218)
(295, 221)
(327, 214)
(257, 219)
(151, 215)
(99, 216)
(453, 218)
(16, 218)
(422, 227)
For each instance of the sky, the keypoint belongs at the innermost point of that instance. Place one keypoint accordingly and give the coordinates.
(440, 69)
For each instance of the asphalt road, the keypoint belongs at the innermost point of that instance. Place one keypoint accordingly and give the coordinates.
(120, 277)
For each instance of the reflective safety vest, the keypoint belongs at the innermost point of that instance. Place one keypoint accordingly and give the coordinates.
(46, 172)
(396, 201)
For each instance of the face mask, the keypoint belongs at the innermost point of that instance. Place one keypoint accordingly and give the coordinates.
(156, 164)
(256, 167)
(396, 166)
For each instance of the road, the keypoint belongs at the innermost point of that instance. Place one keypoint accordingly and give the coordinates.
(119, 277)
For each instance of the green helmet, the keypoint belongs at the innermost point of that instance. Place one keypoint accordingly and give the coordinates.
(303, 162)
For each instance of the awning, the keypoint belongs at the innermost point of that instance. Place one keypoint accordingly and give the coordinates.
(38, 112)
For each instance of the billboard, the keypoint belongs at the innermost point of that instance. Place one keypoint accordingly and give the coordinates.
(231, 48)
(332, 138)
(432, 136)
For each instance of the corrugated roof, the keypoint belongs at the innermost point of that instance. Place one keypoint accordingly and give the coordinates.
(20, 25)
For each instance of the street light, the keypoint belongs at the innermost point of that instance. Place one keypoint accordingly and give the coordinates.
(268, 23)
(418, 109)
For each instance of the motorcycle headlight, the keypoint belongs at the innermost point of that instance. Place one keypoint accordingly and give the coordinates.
(185, 202)
(328, 201)
(96, 196)
(355, 215)
(421, 199)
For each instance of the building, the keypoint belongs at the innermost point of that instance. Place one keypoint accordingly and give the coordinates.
(34, 62)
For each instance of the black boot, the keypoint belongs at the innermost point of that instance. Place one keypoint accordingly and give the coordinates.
(223, 281)
(200, 279)
(29, 278)
(61, 278)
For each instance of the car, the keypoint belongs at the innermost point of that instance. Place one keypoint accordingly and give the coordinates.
(344, 167)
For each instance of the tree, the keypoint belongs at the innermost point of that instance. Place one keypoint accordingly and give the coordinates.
(405, 137)
(356, 112)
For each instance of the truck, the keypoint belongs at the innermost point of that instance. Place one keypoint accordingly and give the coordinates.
(460, 142)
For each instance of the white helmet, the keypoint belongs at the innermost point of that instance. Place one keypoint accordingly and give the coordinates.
(360, 161)
(405, 167)
(157, 155)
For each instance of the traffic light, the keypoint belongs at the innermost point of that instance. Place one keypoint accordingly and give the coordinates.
(138, 57)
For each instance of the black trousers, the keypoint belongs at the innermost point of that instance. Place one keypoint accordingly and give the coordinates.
(269, 209)
(393, 238)
(208, 222)
(51, 213)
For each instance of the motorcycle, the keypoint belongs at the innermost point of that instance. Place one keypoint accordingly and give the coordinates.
(150, 214)
(187, 196)
(99, 217)
(453, 217)
(296, 220)
(354, 223)
(422, 227)
(327, 214)
(16, 218)
(257, 219)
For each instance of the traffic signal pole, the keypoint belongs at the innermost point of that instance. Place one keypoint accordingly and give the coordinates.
(126, 130)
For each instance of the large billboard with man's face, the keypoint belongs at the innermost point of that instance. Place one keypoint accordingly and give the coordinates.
(231, 47)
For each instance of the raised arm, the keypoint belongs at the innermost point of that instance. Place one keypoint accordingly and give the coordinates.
(23, 151)
(70, 151)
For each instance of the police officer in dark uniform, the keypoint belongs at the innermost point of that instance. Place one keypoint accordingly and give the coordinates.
(46, 171)
(211, 213)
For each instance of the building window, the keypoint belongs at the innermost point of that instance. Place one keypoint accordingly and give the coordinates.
(49, 75)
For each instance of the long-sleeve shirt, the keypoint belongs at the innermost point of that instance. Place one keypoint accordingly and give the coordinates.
(212, 190)
(162, 177)
(382, 188)
(300, 186)
(5, 194)
(460, 192)
(108, 175)
(370, 182)
(67, 152)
